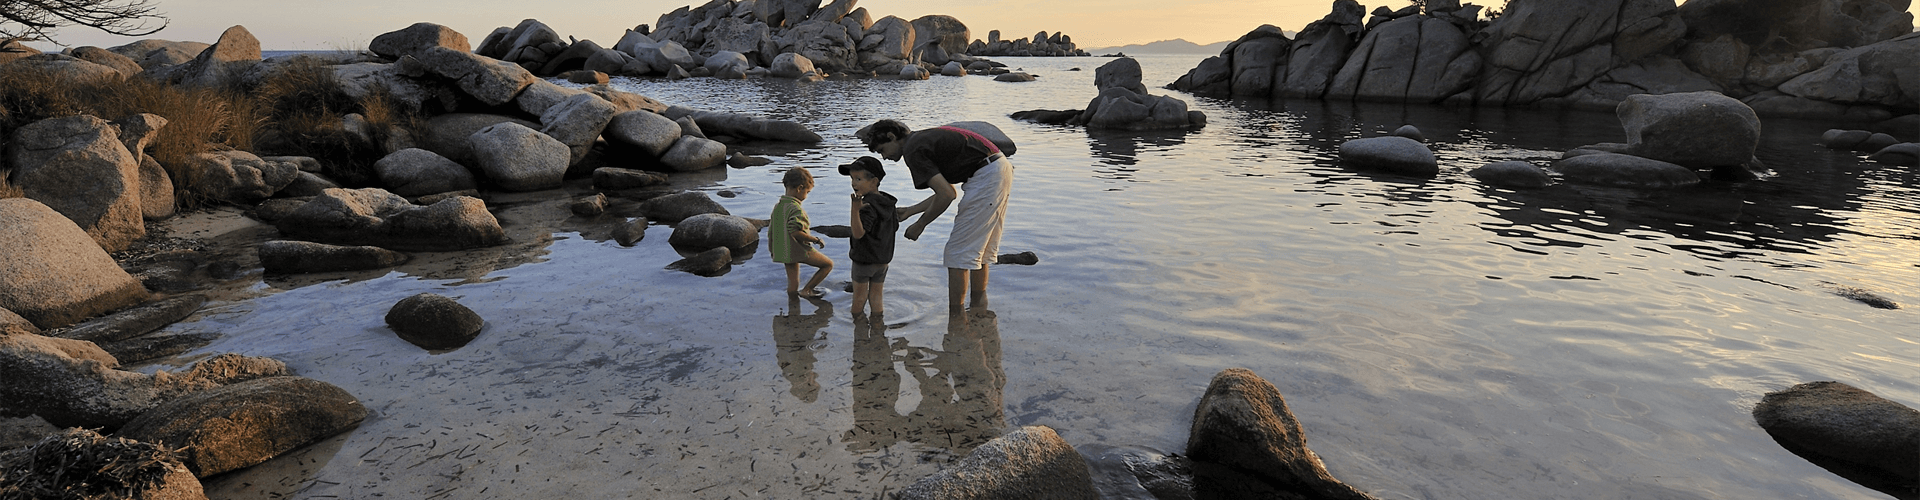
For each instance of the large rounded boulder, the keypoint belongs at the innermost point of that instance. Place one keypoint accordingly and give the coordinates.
(646, 130)
(518, 158)
(78, 166)
(704, 231)
(691, 153)
(1839, 421)
(52, 273)
(1393, 153)
(1690, 129)
(1245, 443)
(673, 208)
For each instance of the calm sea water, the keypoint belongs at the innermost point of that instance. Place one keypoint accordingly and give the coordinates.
(1438, 338)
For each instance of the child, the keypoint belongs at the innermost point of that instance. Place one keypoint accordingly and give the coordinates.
(787, 233)
(874, 223)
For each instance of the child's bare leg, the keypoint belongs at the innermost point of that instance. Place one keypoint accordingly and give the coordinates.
(818, 261)
(875, 292)
(860, 291)
(793, 277)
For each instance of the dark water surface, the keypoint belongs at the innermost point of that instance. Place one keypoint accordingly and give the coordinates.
(1438, 338)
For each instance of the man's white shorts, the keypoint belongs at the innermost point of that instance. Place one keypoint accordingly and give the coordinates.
(983, 212)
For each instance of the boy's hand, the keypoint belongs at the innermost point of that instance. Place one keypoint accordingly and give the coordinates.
(913, 231)
(859, 202)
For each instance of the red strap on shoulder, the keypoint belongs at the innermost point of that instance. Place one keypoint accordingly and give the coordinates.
(975, 136)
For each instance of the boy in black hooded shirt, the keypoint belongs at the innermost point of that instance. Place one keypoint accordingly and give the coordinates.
(874, 224)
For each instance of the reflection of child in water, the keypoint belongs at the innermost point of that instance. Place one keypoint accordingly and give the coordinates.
(795, 338)
(876, 388)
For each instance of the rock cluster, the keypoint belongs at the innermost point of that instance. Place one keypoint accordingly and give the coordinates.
(1825, 58)
(1123, 104)
(1042, 44)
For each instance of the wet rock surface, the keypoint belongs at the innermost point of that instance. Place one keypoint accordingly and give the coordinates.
(1838, 421)
(135, 321)
(1245, 443)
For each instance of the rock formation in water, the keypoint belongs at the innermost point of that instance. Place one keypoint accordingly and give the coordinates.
(1123, 104)
(1824, 58)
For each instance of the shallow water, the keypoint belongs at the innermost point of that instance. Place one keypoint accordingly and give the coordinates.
(1437, 338)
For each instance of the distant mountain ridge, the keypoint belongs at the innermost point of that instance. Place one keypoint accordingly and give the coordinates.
(1174, 46)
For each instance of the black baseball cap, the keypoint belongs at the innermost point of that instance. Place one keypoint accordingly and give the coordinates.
(867, 163)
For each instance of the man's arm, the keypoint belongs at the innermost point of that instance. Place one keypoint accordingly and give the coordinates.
(933, 206)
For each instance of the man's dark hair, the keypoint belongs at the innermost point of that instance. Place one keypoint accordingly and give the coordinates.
(884, 131)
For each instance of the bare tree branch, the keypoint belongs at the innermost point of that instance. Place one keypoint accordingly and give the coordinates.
(34, 19)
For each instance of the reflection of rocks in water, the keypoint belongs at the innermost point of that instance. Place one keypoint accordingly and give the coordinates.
(795, 338)
(960, 384)
(1121, 148)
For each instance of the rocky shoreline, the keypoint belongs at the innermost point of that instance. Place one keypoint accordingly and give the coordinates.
(84, 281)
(1835, 59)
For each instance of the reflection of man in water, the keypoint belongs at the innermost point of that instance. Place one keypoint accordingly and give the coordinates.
(960, 387)
(795, 338)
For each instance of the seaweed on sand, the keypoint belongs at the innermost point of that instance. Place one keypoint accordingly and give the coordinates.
(82, 464)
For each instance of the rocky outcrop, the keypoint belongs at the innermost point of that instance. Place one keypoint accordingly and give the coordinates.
(434, 322)
(1811, 59)
(63, 67)
(52, 273)
(1839, 421)
(295, 257)
(1030, 462)
(73, 383)
(691, 153)
(242, 424)
(576, 123)
(1245, 443)
(1041, 45)
(416, 38)
(372, 216)
(646, 130)
(1413, 59)
(233, 55)
(78, 166)
(1123, 103)
(126, 66)
(137, 132)
(744, 126)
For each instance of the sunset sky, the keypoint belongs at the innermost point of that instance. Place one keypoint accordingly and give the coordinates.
(343, 24)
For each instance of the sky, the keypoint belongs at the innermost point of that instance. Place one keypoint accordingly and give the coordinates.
(351, 24)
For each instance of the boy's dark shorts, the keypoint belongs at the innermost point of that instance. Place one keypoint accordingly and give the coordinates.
(869, 273)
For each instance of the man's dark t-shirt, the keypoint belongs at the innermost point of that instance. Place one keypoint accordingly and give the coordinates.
(879, 221)
(951, 154)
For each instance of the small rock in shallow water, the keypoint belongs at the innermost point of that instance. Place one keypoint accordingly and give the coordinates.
(1516, 174)
(433, 321)
(1408, 131)
(1865, 297)
(1022, 258)
(589, 206)
(631, 231)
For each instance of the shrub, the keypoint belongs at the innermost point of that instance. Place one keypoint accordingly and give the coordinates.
(303, 105)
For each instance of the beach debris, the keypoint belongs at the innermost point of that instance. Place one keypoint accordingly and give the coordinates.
(82, 464)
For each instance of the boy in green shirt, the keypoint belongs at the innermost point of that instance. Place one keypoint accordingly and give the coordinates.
(787, 233)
